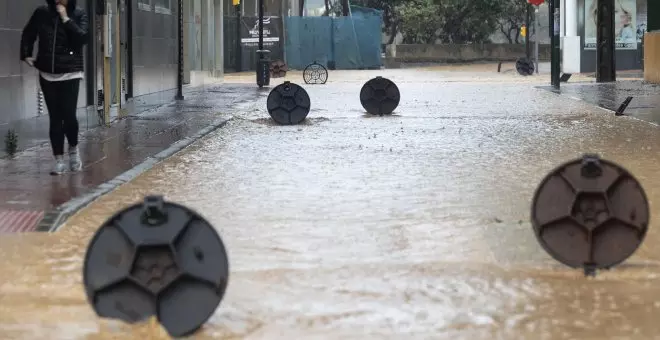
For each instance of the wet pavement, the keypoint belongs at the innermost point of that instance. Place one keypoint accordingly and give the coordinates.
(33, 199)
(349, 226)
(645, 104)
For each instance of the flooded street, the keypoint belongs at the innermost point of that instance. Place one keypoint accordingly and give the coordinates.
(352, 226)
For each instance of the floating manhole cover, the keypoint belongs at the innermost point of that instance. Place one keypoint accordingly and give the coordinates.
(288, 104)
(590, 213)
(315, 73)
(525, 67)
(156, 258)
(380, 96)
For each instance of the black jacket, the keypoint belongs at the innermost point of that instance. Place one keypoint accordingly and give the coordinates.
(60, 44)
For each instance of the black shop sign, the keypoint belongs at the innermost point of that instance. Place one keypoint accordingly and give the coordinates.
(273, 40)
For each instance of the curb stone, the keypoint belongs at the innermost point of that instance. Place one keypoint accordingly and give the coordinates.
(54, 219)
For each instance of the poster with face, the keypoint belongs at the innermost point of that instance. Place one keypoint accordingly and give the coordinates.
(642, 17)
(625, 25)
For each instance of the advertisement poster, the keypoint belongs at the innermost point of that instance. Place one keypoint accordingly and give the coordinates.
(273, 40)
(625, 24)
(642, 5)
(250, 34)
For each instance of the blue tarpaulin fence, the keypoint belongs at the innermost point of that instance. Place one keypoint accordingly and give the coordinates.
(350, 42)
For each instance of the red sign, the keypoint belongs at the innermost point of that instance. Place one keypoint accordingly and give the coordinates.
(536, 2)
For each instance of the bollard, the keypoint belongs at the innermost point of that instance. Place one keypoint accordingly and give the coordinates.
(156, 258)
(288, 104)
(380, 96)
(525, 67)
(590, 213)
(263, 68)
(315, 73)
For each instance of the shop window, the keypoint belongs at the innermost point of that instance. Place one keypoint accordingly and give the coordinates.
(163, 6)
(144, 5)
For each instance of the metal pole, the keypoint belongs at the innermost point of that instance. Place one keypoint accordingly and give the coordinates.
(239, 51)
(605, 47)
(179, 78)
(527, 25)
(536, 38)
(261, 27)
(556, 53)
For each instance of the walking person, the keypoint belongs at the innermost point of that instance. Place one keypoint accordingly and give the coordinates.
(61, 30)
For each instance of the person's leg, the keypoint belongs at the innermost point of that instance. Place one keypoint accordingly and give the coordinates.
(56, 131)
(69, 91)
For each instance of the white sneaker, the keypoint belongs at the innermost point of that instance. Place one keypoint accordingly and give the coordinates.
(75, 164)
(60, 166)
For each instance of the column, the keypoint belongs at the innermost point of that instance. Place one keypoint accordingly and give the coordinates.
(188, 51)
(571, 40)
(571, 18)
(562, 19)
(653, 13)
(208, 40)
(219, 32)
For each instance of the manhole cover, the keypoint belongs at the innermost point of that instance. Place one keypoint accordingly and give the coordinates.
(315, 73)
(288, 104)
(156, 258)
(379, 96)
(525, 67)
(590, 213)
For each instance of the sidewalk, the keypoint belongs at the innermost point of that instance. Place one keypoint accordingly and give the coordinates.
(645, 104)
(31, 199)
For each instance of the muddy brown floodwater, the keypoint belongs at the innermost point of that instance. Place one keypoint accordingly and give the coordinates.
(412, 226)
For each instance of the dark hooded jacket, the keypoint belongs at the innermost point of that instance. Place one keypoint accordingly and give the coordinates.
(60, 48)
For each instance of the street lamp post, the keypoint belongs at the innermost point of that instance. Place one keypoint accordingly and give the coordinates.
(179, 78)
(263, 71)
(556, 52)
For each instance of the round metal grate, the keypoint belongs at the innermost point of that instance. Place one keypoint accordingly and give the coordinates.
(590, 213)
(315, 73)
(380, 96)
(288, 104)
(156, 258)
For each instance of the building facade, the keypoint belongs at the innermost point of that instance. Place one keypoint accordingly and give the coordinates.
(131, 59)
(241, 32)
(578, 32)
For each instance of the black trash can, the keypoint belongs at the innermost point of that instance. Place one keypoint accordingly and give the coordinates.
(263, 68)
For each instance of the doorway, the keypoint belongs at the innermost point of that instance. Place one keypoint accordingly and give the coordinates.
(109, 61)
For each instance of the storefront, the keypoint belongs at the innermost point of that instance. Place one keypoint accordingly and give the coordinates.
(242, 33)
(578, 29)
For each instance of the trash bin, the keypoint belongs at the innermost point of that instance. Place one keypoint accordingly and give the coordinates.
(263, 68)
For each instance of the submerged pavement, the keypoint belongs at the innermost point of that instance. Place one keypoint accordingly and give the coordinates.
(350, 226)
(31, 199)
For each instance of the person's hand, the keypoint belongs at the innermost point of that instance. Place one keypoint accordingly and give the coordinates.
(61, 10)
(29, 61)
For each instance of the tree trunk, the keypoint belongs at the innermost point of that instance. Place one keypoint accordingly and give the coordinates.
(344, 8)
(393, 32)
(301, 7)
(506, 34)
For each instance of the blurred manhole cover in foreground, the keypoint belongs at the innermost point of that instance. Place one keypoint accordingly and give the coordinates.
(590, 213)
(156, 259)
